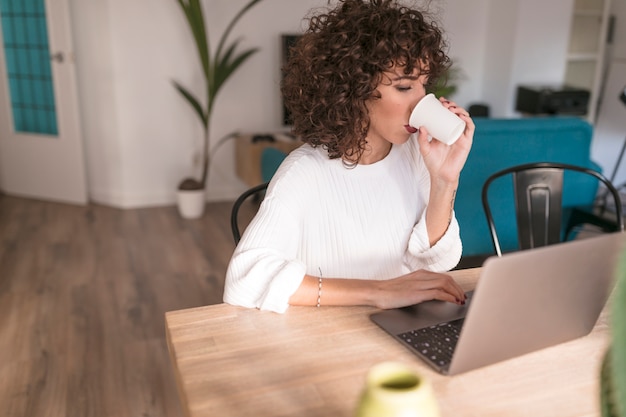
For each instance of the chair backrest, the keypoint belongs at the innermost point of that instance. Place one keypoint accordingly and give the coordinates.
(257, 192)
(538, 194)
(502, 143)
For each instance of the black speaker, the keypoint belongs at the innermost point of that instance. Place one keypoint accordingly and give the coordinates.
(552, 100)
(478, 110)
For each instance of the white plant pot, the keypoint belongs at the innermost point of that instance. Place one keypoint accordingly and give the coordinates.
(191, 203)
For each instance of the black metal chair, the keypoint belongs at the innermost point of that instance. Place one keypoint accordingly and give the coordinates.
(538, 189)
(257, 192)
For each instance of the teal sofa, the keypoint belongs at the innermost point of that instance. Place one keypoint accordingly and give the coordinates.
(501, 143)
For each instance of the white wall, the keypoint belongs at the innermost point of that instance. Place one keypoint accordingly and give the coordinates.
(525, 42)
(540, 55)
(465, 24)
(610, 129)
(98, 105)
(140, 136)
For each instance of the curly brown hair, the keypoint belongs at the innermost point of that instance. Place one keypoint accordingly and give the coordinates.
(337, 64)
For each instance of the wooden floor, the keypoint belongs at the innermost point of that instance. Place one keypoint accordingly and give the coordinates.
(83, 292)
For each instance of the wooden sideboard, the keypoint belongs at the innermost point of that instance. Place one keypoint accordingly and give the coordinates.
(249, 148)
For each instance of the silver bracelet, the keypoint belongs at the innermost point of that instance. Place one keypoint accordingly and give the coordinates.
(319, 289)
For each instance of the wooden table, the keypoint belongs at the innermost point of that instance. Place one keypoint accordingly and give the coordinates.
(232, 361)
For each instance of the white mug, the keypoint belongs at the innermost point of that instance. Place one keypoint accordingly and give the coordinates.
(441, 123)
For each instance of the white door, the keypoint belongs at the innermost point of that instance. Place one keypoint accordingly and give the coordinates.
(41, 152)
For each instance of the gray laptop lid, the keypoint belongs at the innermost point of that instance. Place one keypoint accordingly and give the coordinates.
(523, 302)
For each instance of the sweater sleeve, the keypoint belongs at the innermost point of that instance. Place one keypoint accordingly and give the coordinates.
(446, 253)
(263, 272)
(441, 257)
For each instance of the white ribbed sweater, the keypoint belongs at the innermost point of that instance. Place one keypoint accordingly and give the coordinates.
(365, 222)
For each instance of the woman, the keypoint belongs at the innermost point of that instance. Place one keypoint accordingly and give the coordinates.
(362, 213)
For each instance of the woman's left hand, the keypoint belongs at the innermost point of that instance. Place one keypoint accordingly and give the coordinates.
(445, 162)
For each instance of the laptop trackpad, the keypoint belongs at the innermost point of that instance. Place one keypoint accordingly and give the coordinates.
(420, 315)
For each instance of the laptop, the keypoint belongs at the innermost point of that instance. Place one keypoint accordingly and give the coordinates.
(523, 301)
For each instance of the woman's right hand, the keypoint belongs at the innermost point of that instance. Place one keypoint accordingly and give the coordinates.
(416, 287)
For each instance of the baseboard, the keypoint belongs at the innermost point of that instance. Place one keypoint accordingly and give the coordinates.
(125, 201)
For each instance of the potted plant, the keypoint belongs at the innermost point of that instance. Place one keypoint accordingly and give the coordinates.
(216, 69)
(446, 86)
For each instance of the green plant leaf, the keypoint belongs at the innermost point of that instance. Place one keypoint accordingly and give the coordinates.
(193, 102)
(228, 68)
(218, 76)
(232, 23)
(221, 60)
(195, 18)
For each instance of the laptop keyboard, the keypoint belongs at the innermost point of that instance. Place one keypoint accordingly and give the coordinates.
(436, 343)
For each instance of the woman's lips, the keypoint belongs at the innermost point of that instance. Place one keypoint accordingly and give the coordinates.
(410, 129)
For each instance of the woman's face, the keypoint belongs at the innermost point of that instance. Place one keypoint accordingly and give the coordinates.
(389, 114)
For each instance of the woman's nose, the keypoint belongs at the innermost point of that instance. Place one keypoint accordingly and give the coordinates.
(412, 106)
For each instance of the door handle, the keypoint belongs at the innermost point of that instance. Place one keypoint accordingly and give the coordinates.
(58, 57)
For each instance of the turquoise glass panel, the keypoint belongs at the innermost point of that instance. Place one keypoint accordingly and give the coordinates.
(7, 26)
(30, 6)
(48, 93)
(39, 98)
(18, 6)
(18, 115)
(27, 58)
(34, 58)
